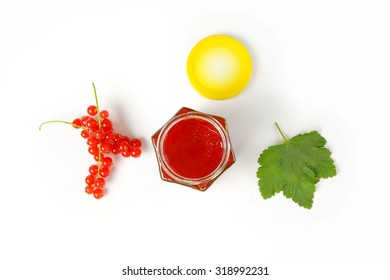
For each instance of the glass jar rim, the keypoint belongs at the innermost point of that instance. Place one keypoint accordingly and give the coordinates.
(225, 145)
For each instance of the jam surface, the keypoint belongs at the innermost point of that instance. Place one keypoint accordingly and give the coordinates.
(193, 148)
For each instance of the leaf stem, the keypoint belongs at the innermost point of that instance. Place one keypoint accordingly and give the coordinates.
(281, 133)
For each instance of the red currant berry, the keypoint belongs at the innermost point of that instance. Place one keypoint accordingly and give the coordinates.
(126, 140)
(100, 183)
(89, 189)
(109, 136)
(99, 157)
(76, 123)
(115, 149)
(135, 143)
(106, 125)
(104, 172)
(117, 137)
(123, 146)
(104, 114)
(105, 148)
(92, 124)
(84, 133)
(92, 141)
(90, 180)
(126, 153)
(93, 169)
(93, 150)
(92, 110)
(99, 134)
(98, 193)
(107, 162)
(136, 152)
(84, 120)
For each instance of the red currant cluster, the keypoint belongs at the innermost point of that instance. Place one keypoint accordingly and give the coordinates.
(102, 141)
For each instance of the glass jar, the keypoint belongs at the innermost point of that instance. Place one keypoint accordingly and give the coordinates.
(193, 149)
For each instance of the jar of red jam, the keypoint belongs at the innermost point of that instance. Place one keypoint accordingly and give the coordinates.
(193, 149)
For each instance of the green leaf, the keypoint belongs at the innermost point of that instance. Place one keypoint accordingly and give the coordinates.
(294, 167)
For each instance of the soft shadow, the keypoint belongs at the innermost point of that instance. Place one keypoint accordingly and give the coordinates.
(125, 120)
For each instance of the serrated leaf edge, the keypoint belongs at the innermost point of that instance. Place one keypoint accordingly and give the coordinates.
(316, 177)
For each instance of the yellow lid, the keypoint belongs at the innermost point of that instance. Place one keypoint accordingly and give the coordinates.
(219, 67)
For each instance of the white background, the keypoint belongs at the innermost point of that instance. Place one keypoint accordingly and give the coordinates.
(318, 65)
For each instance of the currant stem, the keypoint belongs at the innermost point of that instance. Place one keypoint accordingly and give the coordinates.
(281, 133)
(57, 121)
(97, 106)
(100, 125)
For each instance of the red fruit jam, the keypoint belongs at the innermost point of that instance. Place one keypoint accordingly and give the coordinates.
(193, 149)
